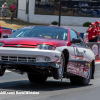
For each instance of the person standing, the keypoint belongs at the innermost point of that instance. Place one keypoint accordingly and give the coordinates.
(3, 10)
(13, 9)
(97, 24)
(97, 27)
(92, 33)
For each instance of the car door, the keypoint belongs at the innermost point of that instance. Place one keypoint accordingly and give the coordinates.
(80, 65)
(79, 48)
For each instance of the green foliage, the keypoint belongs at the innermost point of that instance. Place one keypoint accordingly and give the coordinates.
(54, 23)
(86, 24)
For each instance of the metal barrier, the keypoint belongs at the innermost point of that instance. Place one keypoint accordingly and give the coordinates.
(95, 47)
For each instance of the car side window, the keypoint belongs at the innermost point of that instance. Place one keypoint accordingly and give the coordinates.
(73, 35)
(83, 43)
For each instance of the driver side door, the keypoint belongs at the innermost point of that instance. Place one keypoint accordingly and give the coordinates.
(79, 48)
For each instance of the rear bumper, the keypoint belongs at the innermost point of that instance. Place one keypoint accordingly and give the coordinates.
(39, 64)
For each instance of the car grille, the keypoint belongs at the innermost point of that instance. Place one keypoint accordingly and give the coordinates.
(22, 46)
(18, 59)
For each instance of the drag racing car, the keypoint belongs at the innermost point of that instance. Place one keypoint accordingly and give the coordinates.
(43, 51)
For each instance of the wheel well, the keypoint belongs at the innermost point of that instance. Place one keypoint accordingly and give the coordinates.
(93, 67)
(66, 55)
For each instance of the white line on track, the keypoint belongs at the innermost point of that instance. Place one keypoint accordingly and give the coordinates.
(97, 62)
(8, 71)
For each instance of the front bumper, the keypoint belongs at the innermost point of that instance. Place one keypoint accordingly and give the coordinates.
(40, 55)
(39, 64)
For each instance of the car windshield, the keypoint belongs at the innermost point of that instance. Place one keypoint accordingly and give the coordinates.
(44, 32)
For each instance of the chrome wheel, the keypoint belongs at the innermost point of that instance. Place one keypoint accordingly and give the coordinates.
(58, 72)
(61, 67)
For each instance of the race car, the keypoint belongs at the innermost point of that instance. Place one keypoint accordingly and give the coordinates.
(44, 51)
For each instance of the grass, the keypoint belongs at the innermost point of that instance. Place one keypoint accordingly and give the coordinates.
(15, 24)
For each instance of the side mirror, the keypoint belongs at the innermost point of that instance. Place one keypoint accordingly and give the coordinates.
(5, 36)
(75, 40)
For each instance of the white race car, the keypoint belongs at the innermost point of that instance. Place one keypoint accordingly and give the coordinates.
(43, 51)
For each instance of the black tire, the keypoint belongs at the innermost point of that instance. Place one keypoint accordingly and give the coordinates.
(37, 78)
(56, 71)
(77, 80)
(2, 71)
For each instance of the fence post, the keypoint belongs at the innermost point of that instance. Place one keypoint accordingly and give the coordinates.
(0, 12)
(28, 17)
(59, 13)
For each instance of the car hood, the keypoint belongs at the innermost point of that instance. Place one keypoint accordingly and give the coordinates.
(33, 41)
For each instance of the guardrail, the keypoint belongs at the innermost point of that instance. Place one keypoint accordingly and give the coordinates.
(95, 46)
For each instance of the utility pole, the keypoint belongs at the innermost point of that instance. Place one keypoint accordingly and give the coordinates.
(60, 13)
(17, 9)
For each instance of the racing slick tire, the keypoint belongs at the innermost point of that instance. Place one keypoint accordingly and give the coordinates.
(2, 70)
(77, 80)
(37, 78)
(58, 72)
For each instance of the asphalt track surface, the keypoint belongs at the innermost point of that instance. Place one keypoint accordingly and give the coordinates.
(51, 90)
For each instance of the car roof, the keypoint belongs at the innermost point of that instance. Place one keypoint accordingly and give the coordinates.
(46, 26)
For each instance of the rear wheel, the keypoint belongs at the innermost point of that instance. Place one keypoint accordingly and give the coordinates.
(37, 78)
(58, 72)
(2, 70)
(77, 80)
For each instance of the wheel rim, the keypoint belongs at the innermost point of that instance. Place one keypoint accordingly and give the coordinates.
(61, 67)
(88, 74)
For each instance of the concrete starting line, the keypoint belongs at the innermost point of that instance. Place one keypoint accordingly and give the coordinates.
(96, 62)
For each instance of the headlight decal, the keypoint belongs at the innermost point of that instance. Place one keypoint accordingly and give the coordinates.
(1, 44)
(45, 47)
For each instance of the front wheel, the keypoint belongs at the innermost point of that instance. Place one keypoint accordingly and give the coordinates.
(2, 70)
(77, 80)
(58, 72)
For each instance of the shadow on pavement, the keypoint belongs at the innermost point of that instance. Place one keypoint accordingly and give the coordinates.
(25, 85)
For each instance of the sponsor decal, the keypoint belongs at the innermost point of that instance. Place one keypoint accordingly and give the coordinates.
(80, 68)
(77, 72)
(68, 70)
(95, 49)
(76, 64)
(99, 50)
(79, 54)
(79, 64)
(88, 64)
(68, 66)
(70, 63)
(80, 74)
